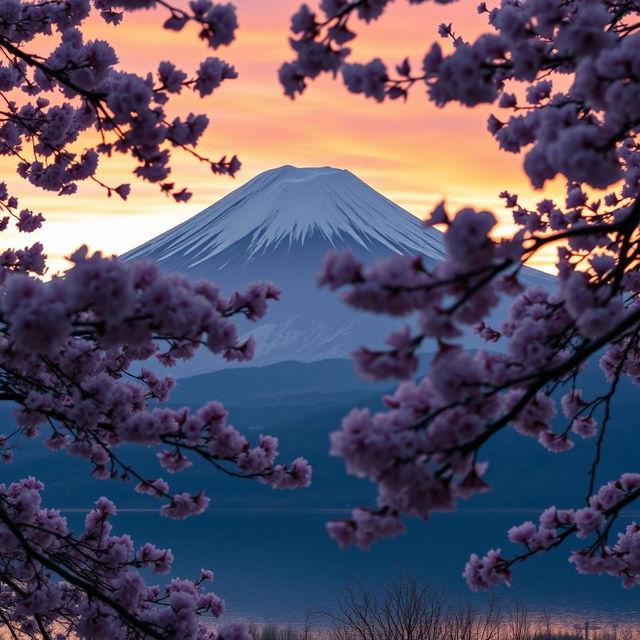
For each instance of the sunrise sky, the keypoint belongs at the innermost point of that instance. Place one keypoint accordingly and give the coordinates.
(413, 153)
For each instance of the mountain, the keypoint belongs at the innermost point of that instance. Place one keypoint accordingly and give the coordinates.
(278, 226)
(287, 207)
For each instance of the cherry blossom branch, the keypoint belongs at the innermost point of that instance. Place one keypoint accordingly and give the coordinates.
(85, 585)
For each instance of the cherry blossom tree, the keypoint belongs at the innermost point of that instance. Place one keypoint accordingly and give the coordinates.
(73, 348)
(425, 450)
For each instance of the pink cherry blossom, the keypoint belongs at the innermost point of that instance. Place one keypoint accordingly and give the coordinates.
(421, 450)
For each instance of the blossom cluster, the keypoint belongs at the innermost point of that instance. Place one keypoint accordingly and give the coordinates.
(74, 340)
(319, 39)
(571, 132)
(102, 588)
(78, 86)
(621, 559)
(423, 450)
(30, 259)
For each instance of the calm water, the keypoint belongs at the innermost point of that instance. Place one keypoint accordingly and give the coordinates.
(279, 566)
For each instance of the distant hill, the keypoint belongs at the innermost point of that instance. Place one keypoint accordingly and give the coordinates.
(302, 404)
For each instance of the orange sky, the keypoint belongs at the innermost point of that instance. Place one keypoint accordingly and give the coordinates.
(413, 153)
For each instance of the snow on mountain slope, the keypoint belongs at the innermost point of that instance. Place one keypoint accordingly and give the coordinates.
(285, 206)
(278, 226)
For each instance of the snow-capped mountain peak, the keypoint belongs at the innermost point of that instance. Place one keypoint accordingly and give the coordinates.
(290, 205)
(279, 226)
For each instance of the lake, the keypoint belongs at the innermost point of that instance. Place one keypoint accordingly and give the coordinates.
(277, 566)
